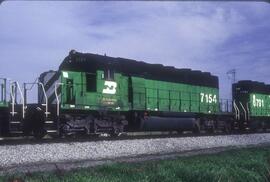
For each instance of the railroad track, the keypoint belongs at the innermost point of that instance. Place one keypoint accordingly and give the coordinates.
(126, 136)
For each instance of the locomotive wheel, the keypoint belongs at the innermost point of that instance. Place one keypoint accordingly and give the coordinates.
(180, 132)
(115, 132)
(228, 128)
(39, 133)
(196, 128)
(112, 134)
(33, 123)
(263, 126)
(211, 130)
(254, 127)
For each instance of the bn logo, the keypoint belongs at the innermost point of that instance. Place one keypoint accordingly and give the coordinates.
(110, 87)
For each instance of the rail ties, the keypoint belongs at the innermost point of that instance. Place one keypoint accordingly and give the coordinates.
(126, 136)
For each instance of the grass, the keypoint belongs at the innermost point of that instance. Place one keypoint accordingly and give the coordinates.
(236, 165)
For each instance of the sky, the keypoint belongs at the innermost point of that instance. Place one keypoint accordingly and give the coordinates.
(214, 37)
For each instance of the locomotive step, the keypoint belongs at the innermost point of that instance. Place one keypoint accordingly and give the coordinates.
(16, 132)
(50, 126)
(13, 112)
(49, 122)
(51, 131)
(15, 122)
(15, 125)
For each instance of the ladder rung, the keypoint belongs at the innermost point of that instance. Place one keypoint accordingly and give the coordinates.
(51, 131)
(15, 122)
(16, 132)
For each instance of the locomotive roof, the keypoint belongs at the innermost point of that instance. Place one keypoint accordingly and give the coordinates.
(87, 62)
(253, 86)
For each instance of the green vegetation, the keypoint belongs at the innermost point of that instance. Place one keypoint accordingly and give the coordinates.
(235, 165)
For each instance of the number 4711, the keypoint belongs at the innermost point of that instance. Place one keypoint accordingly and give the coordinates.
(208, 98)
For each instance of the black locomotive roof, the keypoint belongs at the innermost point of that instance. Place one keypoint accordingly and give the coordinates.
(87, 62)
(253, 86)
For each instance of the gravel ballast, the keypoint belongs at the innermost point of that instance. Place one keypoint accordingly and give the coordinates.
(24, 157)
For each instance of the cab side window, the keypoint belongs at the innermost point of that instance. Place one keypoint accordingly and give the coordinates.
(70, 91)
(91, 82)
(108, 74)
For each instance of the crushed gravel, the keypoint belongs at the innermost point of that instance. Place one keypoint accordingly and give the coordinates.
(14, 156)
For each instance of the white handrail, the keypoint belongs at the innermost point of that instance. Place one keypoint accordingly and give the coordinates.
(22, 98)
(12, 95)
(248, 115)
(5, 90)
(244, 110)
(57, 99)
(46, 99)
(237, 111)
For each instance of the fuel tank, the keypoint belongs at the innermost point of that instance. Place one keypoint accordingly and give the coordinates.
(155, 123)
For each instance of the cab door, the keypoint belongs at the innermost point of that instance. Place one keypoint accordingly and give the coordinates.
(70, 91)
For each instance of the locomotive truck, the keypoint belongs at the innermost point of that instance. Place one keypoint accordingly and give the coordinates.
(94, 94)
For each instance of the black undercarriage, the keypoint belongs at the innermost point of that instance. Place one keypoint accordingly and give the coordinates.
(73, 122)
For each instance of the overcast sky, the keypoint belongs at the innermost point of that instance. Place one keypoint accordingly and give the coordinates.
(207, 36)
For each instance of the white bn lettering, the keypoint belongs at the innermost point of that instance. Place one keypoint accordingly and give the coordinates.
(110, 87)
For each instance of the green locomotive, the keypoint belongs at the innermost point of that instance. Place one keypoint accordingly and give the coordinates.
(93, 93)
(252, 104)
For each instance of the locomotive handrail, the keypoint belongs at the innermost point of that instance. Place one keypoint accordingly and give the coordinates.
(57, 99)
(12, 94)
(244, 110)
(237, 111)
(44, 92)
(248, 115)
(22, 97)
(46, 99)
